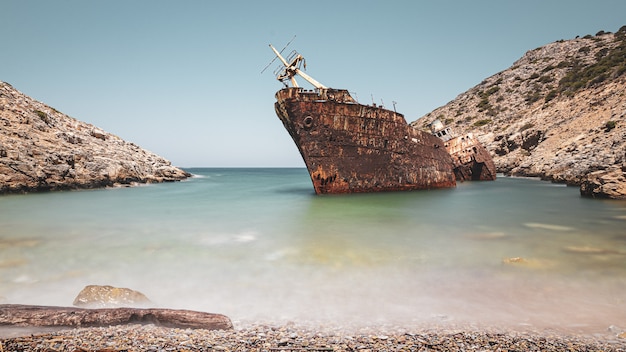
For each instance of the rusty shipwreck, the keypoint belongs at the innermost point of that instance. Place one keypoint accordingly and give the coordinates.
(471, 160)
(351, 148)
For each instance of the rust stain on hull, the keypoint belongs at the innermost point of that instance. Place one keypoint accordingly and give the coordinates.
(472, 162)
(350, 148)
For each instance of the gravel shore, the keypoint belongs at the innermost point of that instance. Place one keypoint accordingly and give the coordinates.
(291, 337)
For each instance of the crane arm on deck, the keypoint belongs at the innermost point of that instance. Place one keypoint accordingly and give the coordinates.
(292, 69)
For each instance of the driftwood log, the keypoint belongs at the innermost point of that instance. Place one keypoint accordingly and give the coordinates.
(47, 316)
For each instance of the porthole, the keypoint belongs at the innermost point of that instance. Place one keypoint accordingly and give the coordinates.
(308, 122)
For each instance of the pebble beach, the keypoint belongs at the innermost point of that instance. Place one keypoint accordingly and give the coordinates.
(291, 337)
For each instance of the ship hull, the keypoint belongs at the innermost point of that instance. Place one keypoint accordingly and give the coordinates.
(351, 148)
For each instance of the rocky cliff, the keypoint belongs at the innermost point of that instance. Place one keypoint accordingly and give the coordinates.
(558, 113)
(44, 149)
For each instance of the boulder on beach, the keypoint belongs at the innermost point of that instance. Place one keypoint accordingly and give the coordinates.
(96, 296)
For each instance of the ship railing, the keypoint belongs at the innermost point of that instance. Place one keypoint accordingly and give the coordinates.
(305, 90)
(279, 72)
(292, 55)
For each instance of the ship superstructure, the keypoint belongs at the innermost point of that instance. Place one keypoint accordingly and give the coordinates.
(472, 162)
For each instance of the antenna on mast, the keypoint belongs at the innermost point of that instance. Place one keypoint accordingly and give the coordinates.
(291, 67)
(281, 51)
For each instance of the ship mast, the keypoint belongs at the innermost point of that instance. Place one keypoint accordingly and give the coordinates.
(292, 68)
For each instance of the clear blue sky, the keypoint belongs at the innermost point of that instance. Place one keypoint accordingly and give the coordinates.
(182, 78)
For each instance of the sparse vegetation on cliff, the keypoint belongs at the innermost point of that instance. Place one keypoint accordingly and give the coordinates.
(609, 125)
(610, 64)
(527, 126)
(547, 114)
(481, 122)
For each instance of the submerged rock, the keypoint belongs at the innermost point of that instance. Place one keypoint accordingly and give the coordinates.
(95, 296)
(43, 149)
(514, 260)
(590, 250)
(530, 263)
(551, 227)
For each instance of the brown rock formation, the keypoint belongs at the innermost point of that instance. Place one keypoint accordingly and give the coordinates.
(96, 296)
(559, 113)
(610, 183)
(23, 315)
(43, 149)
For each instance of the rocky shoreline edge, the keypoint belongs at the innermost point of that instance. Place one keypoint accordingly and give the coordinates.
(43, 149)
(44, 328)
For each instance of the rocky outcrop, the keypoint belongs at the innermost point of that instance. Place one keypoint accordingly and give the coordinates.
(559, 113)
(610, 183)
(43, 149)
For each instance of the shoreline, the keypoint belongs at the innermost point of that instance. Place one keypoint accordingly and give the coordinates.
(294, 337)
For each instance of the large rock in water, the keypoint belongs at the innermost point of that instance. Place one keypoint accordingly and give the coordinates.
(609, 183)
(43, 149)
(96, 296)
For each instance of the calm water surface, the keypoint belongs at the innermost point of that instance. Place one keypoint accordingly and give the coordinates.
(257, 244)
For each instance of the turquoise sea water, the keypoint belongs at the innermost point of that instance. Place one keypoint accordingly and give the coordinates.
(258, 245)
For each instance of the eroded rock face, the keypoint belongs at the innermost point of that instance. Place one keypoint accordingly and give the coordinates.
(43, 149)
(609, 183)
(96, 296)
(548, 116)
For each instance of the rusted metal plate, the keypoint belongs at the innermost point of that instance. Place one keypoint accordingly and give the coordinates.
(472, 162)
(349, 147)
